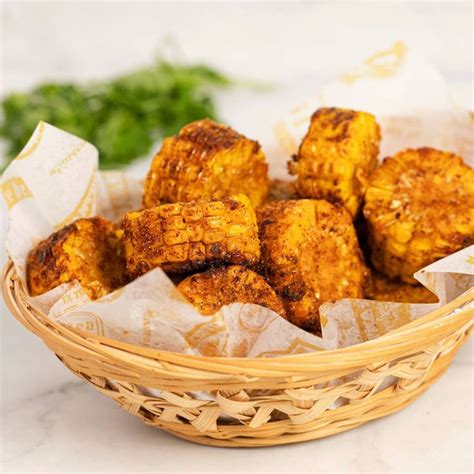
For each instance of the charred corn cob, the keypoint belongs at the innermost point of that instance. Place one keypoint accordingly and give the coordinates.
(88, 250)
(218, 287)
(336, 157)
(310, 255)
(419, 208)
(185, 236)
(383, 288)
(281, 190)
(206, 160)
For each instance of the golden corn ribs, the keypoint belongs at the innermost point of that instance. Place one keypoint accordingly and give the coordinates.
(419, 208)
(310, 255)
(185, 236)
(88, 250)
(383, 288)
(218, 287)
(206, 160)
(281, 190)
(336, 157)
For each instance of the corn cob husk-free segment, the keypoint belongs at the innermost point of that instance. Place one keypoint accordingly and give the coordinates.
(310, 255)
(185, 236)
(210, 290)
(419, 208)
(336, 157)
(206, 160)
(88, 250)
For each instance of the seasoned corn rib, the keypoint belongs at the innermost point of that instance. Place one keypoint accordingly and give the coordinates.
(419, 208)
(88, 250)
(310, 255)
(185, 236)
(383, 288)
(217, 287)
(206, 160)
(336, 157)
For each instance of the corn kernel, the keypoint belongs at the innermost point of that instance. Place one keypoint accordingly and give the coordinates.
(206, 161)
(164, 236)
(336, 157)
(211, 290)
(429, 214)
(309, 249)
(88, 250)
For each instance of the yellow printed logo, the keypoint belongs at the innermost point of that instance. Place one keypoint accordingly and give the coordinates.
(147, 317)
(380, 65)
(71, 156)
(15, 190)
(252, 321)
(83, 321)
(84, 207)
(35, 141)
(297, 346)
(209, 338)
(74, 296)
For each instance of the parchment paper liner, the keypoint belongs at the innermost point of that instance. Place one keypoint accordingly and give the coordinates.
(55, 180)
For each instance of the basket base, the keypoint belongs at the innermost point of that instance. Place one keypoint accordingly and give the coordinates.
(333, 422)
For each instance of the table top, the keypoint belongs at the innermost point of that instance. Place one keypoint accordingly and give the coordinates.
(54, 422)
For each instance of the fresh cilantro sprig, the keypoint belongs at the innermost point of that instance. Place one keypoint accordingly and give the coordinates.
(121, 117)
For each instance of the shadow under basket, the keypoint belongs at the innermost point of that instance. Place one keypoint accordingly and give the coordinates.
(258, 402)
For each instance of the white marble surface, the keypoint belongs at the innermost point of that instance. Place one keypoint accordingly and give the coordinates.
(50, 420)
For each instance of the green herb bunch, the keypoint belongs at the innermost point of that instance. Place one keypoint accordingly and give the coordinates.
(121, 117)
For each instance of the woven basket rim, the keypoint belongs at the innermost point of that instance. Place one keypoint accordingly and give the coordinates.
(409, 338)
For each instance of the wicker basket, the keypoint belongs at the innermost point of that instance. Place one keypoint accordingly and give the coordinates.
(258, 402)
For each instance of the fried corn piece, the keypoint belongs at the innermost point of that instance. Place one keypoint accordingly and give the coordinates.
(281, 190)
(187, 236)
(419, 208)
(88, 250)
(218, 287)
(336, 157)
(383, 288)
(310, 255)
(206, 160)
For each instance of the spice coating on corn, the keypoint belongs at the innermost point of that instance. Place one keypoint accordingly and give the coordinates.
(217, 287)
(88, 250)
(336, 157)
(185, 236)
(383, 288)
(206, 160)
(310, 255)
(419, 208)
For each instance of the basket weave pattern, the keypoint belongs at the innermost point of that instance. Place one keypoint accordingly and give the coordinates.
(258, 402)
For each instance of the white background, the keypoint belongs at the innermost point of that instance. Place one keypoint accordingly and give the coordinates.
(51, 422)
